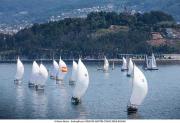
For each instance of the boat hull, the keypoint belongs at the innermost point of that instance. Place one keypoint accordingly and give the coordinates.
(75, 101)
(152, 69)
(31, 85)
(124, 69)
(99, 69)
(132, 109)
(39, 87)
(128, 75)
(57, 79)
(145, 68)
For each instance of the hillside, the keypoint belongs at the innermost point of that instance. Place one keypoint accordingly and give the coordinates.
(101, 33)
(16, 12)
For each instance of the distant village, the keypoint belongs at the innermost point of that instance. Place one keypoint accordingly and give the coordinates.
(168, 36)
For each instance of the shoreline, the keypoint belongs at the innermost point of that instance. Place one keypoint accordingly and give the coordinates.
(116, 61)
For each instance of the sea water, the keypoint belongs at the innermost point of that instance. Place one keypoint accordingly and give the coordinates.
(107, 96)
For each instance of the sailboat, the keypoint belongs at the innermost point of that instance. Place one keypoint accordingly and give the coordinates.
(106, 65)
(146, 62)
(124, 65)
(139, 90)
(34, 74)
(82, 82)
(113, 65)
(130, 68)
(55, 70)
(62, 70)
(19, 71)
(42, 78)
(73, 74)
(151, 63)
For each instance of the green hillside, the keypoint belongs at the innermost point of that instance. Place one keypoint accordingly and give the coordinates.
(101, 33)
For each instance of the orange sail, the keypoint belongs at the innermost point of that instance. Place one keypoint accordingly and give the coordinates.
(64, 69)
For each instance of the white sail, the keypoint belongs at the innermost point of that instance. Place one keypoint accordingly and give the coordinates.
(106, 64)
(139, 88)
(20, 70)
(113, 65)
(55, 69)
(43, 75)
(82, 81)
(124, 65)
(74, 71)
(147, 62)
(130, 67)
(62, 70)
(35, 73)
(153, 61)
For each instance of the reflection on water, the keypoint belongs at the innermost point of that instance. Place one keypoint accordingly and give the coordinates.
(39, 104)
(134, 115)
(20, 97)
(124, 73)
(106, 74)
(107, 95)
(60, 83)
(64, 96)
(80, 110)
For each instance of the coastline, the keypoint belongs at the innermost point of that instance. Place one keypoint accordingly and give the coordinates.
(116, 61)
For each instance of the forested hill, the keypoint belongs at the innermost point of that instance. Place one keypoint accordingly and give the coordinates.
(101, 33)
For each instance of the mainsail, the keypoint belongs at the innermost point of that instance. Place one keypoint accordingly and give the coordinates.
(82, 81)
(55, 69)
(43, 75)
(106, 65)
(35, 73)
(74, 71)
(130, 67)
(124, 64)
(62, 70)
(139, 87)
(20, 70)
(151, 63)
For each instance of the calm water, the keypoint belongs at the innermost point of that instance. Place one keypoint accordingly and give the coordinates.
(106, 97)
